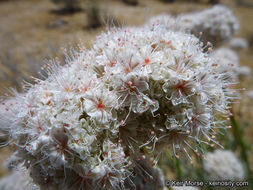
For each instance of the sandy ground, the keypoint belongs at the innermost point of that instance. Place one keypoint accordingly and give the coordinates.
(30, 34)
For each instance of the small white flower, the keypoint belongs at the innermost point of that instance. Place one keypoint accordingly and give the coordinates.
(99, 104)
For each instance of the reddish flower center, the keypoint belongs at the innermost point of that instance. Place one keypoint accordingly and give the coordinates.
(181, 86)
(100, 105)
(147, 61)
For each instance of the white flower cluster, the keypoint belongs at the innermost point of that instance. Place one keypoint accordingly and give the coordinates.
(217, 24)
(135, 92)
(214, 25)
(223, 165)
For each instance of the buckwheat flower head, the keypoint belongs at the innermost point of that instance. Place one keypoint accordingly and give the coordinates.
(216, 25)
(169, 89)
(134, 93)
(59, 128)
(223, 165)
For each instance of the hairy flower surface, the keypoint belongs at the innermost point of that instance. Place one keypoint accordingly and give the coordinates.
(135, 92)
(179, 90)
(223, 165)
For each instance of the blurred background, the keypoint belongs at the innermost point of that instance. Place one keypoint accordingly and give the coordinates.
(34, 31)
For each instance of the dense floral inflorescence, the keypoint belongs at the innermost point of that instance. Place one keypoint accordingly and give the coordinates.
(134, 93)
(214, 25)
(217, 24)
(223, 165)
